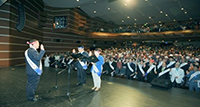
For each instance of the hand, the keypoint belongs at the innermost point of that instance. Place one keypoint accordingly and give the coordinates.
(42, 47)
(90, 53)
(92, 63)
(73, 51)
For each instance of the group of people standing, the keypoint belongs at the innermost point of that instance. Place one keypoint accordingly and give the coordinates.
(81, 63)
(34, 67)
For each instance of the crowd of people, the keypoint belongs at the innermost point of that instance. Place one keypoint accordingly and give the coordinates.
(159, 27)
(180, 65)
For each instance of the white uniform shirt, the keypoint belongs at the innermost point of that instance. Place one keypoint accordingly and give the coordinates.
(176, 73)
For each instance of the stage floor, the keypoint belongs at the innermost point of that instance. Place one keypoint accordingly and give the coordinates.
(115, 92)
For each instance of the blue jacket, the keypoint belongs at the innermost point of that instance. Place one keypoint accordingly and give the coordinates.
(197, 77)
(99, 65)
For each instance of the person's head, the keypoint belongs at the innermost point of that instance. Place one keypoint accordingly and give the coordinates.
(97, 51)
(80, 48)
(164, 64)
(196, 67)
(119, 60)
(160, 59)
(34, 43)
(171, 59)
(177, 65)
(141, 61)
(151, 62)
(183, 60)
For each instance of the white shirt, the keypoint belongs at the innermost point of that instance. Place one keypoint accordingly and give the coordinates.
(176, 72)
(46, 61)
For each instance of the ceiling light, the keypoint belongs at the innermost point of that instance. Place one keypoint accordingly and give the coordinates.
(190, 18)
(146, 0)
(122, 21)
(161, 12)
(149, 17)
(77, 0)
(135, 19)
(95, 11)
(125, 4)
(108, 8)
(95, 1)
(166, 14)
(79, 6)
(182, 8)
(159, 22)
(185, 12)
(174, 20)
(128, 17)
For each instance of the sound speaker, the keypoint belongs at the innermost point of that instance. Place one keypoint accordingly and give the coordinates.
(164, 83)
(21, 17)
(2, 2)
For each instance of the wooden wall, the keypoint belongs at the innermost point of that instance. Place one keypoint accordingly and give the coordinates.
(4, 34)
(62, 40)
(79, 27)
(13, 42)
(39, 25)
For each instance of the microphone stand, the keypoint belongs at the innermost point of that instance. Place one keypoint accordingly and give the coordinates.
(68, 80)
(68, 83)
(56, 68)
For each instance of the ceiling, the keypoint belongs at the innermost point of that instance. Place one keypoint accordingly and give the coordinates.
(134, 11)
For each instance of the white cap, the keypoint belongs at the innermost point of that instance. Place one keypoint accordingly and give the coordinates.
(196, 59)
(187, 57)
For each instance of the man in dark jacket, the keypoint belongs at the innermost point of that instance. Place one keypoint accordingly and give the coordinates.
(33, 68)
(81, 65)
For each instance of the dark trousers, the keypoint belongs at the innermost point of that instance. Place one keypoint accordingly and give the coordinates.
(174, 84)
(81, 75)
(140, 77)
(32, 83)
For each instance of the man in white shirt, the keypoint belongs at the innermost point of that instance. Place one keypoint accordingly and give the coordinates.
(176, 75)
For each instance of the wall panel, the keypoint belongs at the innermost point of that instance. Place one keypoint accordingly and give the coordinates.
(31, 30)
(4, 34)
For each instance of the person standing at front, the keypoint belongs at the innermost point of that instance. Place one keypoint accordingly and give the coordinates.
(96, 70)
(81, 65)
(33, 68)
